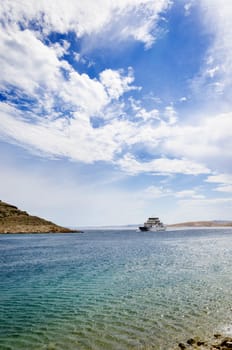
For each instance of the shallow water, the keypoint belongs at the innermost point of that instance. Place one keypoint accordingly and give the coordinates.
(114, 289)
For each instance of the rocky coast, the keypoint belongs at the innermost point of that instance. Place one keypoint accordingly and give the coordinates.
(14, 220)
(218, 341)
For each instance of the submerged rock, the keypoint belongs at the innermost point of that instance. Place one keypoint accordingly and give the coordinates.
(191, 341)
(200, 343)
(217, 335)
(227, 343)
(217, 342)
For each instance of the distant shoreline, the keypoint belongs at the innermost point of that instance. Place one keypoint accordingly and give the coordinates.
(189, 224)
(203, 224)
(135, 227)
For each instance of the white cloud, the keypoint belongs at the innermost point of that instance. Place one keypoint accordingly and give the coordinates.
(189, 194)
(223, 181)
(140, 112)
(209, 141)
(220, 178)
(27, 63)
(76, 140)
(187, 8)
(161, 166)
(38, 71)
(57, 120)
(188, 149)
(171, 115)
(183, 99)
(129, 18)
(214, 77)
(116, 83)
(34, 68)
(224, 188)
(212, 71)
(205, 209)
(152, 192)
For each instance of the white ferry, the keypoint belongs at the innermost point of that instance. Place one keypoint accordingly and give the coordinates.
(153, 224)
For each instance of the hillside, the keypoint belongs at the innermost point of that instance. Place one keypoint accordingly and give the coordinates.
(13, 220)
(213, 223)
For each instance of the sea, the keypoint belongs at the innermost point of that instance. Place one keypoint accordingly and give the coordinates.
(114, 289)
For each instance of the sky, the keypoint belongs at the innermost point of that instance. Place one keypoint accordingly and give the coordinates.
(114, 111)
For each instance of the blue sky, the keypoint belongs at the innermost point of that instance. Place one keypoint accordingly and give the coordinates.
(111, 112)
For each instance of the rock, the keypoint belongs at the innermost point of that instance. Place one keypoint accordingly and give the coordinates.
(200, 343)
(221, 343)
(217, 335)
(14, 220)
(191, 341)
(51, 346)
(227, 343)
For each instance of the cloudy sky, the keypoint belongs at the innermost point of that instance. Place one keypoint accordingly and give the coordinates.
(113, 111)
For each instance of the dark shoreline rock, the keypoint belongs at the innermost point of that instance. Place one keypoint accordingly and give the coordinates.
(218, 341)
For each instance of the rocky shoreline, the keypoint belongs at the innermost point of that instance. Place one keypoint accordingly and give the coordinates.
(14, 220)
(218, 341)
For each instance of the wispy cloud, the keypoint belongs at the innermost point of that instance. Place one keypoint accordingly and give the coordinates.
(65, 100)
(162, 166)
(206, 209)
(153, 192)
(223, 182)
(135, 19)
(82, 81)
(214, 77)
(193, 194)
(208, 141)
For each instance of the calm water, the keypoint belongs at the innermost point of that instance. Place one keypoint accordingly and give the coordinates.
(114, 289)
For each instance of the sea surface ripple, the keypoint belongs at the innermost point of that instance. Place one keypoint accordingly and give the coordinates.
(114, 289)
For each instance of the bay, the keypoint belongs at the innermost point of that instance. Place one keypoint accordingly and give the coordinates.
(112, 289)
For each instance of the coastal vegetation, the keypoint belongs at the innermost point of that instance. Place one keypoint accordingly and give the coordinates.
(14, 220)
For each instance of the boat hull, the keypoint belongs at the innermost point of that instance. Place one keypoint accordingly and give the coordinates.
(152, 229)
(143, 229)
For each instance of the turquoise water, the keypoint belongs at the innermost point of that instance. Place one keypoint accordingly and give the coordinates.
(114, 289)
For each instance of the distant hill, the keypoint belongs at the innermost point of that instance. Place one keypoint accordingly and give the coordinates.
(213, 223)
(14, 220)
